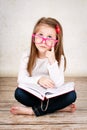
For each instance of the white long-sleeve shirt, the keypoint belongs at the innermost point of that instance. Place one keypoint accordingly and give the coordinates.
(42, 68)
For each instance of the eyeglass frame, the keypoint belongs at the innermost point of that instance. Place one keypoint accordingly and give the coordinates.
(44, 39)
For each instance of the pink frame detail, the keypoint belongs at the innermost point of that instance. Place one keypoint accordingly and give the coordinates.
(44, 39)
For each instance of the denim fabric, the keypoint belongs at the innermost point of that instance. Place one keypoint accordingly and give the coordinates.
(55, 103)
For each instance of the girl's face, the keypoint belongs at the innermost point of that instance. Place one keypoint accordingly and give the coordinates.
(45, 38)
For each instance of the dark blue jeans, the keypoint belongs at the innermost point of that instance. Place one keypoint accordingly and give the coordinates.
(39, 107)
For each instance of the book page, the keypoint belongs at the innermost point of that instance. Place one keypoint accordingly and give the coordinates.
(34, 87)
(42, 92)
(61, 89)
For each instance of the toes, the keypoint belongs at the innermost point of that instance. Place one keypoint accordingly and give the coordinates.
(13, 110)
(73, 107)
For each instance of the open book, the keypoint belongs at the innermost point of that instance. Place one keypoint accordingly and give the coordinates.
(46, 93)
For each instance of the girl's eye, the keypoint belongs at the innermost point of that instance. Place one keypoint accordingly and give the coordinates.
(40, 34)
(49, 36)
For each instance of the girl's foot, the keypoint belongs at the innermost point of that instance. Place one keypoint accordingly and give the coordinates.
(18, 110)
(70, 108)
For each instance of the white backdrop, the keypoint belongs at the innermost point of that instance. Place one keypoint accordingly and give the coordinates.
(17, 18)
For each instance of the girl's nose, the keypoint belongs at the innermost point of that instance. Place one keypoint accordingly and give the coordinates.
(44, 41)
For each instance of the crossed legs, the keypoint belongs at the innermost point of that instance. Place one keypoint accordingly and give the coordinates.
(62, 104)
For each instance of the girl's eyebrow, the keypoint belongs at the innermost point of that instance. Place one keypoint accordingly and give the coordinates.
(49, 35)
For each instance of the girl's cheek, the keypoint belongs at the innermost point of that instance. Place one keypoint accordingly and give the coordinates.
(36, 45)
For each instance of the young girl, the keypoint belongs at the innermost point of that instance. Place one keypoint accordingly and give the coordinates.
(43, 65)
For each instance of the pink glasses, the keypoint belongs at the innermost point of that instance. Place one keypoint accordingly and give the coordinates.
(48, 41)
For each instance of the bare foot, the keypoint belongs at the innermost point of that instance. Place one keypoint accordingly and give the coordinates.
(18, 110)
(70, 108)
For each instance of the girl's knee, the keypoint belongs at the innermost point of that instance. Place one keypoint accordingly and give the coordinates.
(72, 96)
(18, 93)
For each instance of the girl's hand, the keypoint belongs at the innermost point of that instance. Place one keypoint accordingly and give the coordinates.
(51, 55)
(46, 82)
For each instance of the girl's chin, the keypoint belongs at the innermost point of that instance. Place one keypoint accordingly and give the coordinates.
(44, 49)
(41, 51)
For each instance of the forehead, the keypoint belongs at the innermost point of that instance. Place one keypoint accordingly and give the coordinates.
(46, 29)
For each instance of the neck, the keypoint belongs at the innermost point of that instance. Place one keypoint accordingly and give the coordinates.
(41, 55)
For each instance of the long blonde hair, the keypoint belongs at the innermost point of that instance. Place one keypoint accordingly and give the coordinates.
(58, 48)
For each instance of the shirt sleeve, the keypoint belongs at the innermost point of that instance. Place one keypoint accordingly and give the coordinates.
(23, 75)
(56, 72)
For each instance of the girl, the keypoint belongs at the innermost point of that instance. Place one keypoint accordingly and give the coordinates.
(44, 65)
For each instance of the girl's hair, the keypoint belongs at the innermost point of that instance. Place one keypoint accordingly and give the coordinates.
(58, 48)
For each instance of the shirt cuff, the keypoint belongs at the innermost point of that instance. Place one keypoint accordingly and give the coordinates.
(50, 66)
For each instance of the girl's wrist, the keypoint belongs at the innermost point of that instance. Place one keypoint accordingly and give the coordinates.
(52, 61)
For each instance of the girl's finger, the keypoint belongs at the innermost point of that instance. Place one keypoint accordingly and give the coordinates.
(52, 49)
